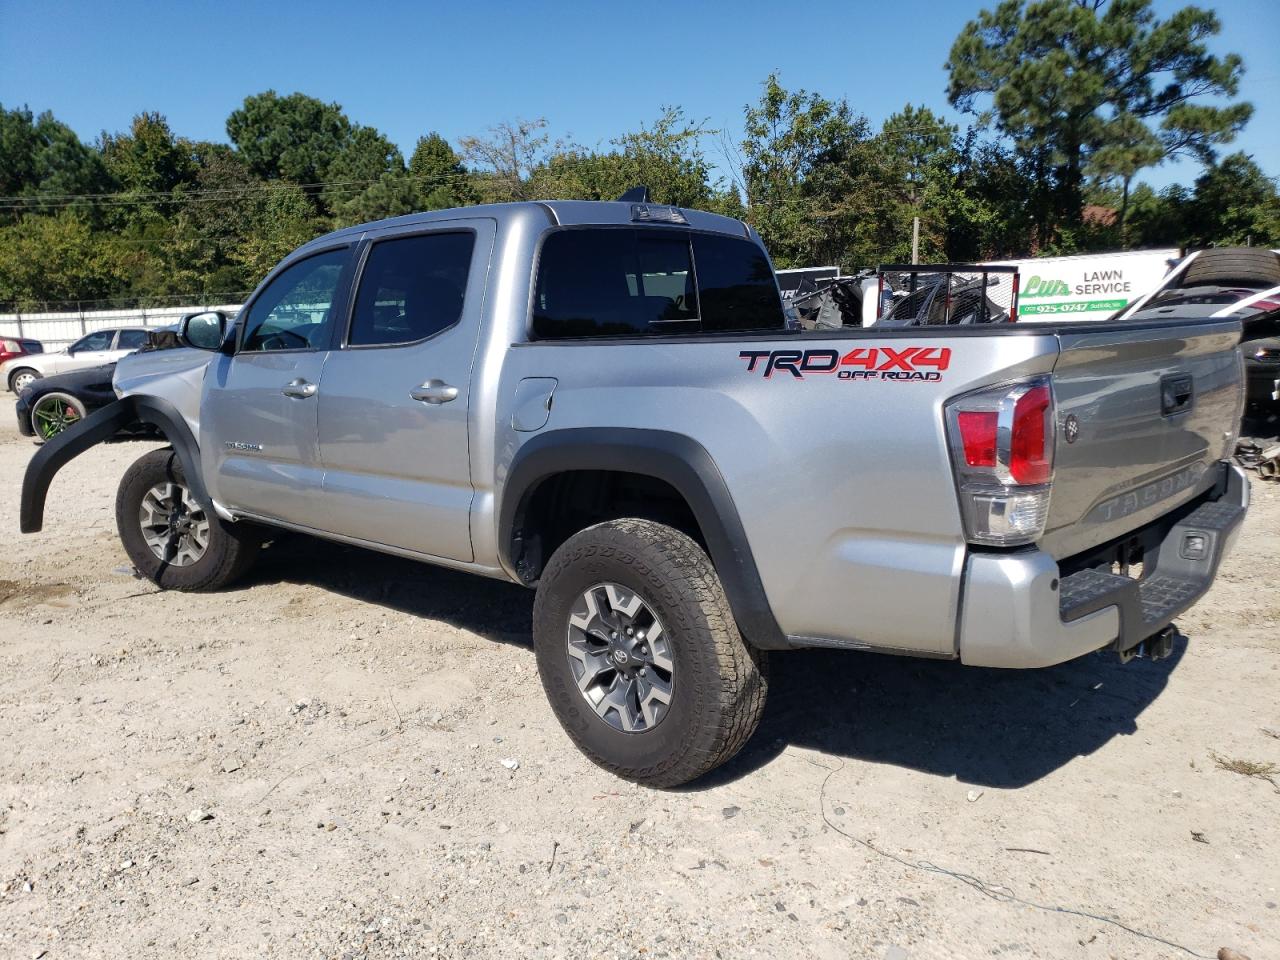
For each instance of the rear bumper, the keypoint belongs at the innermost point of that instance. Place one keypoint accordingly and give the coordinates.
(1018, 610)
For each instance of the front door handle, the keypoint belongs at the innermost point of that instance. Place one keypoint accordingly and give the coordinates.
(299, 389)
(434, 391)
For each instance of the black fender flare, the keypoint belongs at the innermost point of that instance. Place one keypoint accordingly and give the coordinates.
(102, 425)
(673, 458)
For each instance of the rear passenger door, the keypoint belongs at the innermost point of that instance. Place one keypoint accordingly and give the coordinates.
(395, 395)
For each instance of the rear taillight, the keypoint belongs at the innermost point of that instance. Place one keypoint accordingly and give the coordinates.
(1002, 449)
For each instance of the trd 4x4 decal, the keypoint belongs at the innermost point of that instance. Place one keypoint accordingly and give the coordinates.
(860, 363)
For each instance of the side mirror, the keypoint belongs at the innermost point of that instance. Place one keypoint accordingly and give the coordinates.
(203, 331)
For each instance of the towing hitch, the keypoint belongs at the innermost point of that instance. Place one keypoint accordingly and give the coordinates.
(1155, 647)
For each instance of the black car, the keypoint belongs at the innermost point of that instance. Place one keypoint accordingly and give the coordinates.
(51, 404)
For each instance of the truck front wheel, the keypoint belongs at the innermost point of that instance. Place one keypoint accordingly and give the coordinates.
(170, 539)
(640, 656)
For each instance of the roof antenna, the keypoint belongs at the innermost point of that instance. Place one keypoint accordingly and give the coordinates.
(635, 195)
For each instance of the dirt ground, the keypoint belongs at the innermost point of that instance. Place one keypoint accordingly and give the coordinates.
(312, 765)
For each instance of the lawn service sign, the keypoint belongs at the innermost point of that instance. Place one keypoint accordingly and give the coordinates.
(1092, 287)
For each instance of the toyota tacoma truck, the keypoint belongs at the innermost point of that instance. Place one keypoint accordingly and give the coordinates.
(603, 401)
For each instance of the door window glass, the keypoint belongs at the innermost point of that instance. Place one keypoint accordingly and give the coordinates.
(411, 288)
(131, 340)
(295, 312)
(98, 340)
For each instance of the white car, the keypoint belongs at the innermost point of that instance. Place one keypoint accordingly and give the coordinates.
(91, 350)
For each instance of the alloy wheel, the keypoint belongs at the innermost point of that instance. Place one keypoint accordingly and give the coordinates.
(174, 526)
(52, 415)
(620, 657)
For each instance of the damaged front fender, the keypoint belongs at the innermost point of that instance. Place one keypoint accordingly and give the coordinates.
(94, 429)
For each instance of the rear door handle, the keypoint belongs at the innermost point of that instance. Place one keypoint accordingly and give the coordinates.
(434, 391)
(299, 389)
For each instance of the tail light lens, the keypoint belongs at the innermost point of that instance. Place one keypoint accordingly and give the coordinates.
(1002, 442)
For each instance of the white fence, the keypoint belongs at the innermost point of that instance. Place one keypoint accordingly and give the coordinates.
(58, 330)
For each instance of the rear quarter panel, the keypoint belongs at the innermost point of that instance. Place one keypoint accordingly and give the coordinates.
(843, 486)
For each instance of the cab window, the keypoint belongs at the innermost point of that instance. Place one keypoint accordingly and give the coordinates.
(618, 282)
(296, 310)
(736, 285)
(614, 283)
(411, 288)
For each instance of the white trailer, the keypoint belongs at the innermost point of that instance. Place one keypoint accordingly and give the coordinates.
(1086, 287)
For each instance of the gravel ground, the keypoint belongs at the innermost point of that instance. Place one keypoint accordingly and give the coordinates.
(350, 756)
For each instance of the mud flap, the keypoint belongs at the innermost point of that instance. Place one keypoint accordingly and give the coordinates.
(99, 426)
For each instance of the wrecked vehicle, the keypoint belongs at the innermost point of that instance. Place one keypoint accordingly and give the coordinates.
(602, 401)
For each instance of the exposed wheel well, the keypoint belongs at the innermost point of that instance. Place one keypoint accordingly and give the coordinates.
(562, 504)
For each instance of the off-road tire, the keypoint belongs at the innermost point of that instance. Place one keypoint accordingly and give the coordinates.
(1228, 265)
(719, 682)
(230, 551)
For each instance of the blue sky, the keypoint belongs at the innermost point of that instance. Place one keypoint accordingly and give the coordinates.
(593, 69)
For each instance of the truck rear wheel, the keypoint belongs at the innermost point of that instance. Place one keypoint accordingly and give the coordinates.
(640, 656)
(170, 539)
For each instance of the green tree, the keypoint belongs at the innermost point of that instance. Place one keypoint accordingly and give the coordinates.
(289, 138)
(149, 158)
(211, 222)
(153, 167)
(391, 195)
(55, 259)
(1233, 203)
(800, 158)
(1091, 87)
(667, 157)
(440, 180)
(505, 156)
(41, 157)
(912, 175)
(987, 215)
(282, 218)
(367, 180)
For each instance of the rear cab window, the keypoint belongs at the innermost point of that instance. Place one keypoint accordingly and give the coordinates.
(599, 282)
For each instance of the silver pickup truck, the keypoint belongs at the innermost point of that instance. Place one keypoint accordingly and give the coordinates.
(603, 401)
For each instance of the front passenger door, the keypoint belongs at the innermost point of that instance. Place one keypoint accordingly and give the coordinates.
(89, 351)
(258, 417)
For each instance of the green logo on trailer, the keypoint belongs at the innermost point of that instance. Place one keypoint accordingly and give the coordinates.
(1037, 287)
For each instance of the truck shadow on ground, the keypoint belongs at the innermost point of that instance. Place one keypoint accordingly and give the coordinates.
(992, 728)
(492, 609)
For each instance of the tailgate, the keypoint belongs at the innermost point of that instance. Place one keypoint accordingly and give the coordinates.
(1143, 413)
